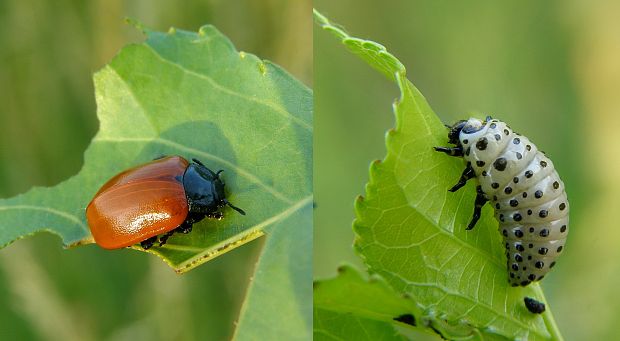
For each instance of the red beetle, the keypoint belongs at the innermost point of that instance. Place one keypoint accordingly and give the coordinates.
(161, 197)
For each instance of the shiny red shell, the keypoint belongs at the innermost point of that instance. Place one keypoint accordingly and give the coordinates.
(139, 203)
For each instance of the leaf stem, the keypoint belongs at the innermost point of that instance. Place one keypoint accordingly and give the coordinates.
(552, 327)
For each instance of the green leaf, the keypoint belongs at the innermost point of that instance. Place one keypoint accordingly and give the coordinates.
(411, 230)
(194, 95)
(350, 307)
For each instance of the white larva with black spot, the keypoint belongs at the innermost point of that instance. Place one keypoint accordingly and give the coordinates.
(524, 188)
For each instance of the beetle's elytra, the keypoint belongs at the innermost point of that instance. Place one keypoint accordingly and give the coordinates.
(153, 201)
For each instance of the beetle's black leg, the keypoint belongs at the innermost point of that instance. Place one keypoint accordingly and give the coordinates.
(165, 236)
(452, 151)
(215, 215)
(146, 244)
(468, 173)
(185, 228)
(481, 199)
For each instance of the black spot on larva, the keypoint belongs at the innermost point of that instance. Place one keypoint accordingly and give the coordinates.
(531, 229)
(519, 156)
(524, 268)
(406, 318)
(514, 203)
(543, 213)
(528, 174)
(563, 228)
(534, 306)
(529, 212)
(538, 194)
(560, 248)
(508, 190)
(501, 218)
(493, 125)
(495, 185)
(528, 147)
(525, 194)
(530, 245)
(544, 233)
(519, 247)
(515, 180)
(512, 275)
(531, 277)
(495, 198)
(515, 266)
(539, 264)
(543, 164)
(518, 233)
(562, 206)
(465, 141)
(529, 257)
(543, 251)
(498, 137)
(507, 244)
(482, 143)
(516, 140)
(497, 206)
(518, 258)
(506, 132)
(517, 217)
(505, 233)
(556, 185)
(551, 265)
(500, 164)
(524, 283)
(484, 173)
(479, 163)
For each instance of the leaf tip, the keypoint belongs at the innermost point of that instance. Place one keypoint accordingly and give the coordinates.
(262, 68)
(342, 269)
(136, 24)
(83, 241)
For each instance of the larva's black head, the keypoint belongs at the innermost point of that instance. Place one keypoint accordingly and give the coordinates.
(467, 126)
(455, 130)
(204, 189)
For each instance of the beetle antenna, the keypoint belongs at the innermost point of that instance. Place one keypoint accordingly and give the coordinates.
(218, 173)
(234, 207)
(198, 162)
(447, 126)
(205, 167)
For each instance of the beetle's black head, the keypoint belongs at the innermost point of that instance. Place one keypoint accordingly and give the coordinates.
(204, 189)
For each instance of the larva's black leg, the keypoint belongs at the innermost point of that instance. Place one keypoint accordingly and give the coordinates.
(452, 151)
(481, 199)
(468, 173)
(146, 244)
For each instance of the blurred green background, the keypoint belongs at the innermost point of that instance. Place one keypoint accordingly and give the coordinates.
(48, 52)
(551, 69)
